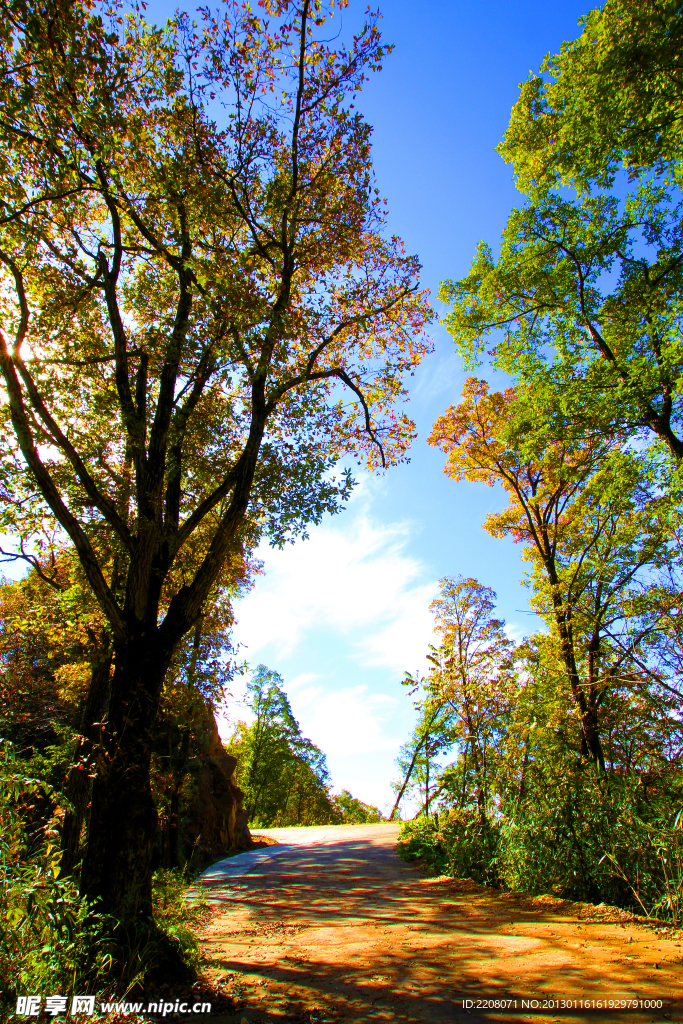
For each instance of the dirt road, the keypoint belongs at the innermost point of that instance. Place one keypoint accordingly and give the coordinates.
(331, 925)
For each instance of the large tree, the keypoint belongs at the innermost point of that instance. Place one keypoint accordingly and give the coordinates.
(283, 774)
(585, 297)
(591, 528)
(470, 677)
(200, 313)
(464, 698)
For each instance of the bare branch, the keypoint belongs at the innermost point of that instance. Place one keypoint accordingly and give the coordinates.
(22, 555)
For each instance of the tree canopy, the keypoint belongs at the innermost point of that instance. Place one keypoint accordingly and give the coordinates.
(592, 530)
(284, 775)
(610, 99)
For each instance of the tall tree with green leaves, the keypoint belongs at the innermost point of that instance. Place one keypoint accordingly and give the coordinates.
(463, 701)
(349, 810)
(470, 679)
(283, 774)
(585, 298)
(200, 314)
(610, 100)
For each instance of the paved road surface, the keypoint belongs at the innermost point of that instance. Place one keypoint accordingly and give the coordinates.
(331, 925)
(355, 851)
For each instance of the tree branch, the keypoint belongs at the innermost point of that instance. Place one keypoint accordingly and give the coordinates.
(101, 502)
(52, 496)
(12, 556)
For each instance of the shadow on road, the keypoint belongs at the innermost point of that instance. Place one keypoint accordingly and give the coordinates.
(331, 925)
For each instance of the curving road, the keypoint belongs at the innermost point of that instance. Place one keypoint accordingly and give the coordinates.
(330, 925)
(354, 851)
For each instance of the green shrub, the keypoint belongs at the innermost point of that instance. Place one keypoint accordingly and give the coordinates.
(460, 842)
(175, 915)
(420, 840)
(472, 846)
(50, 938)
(614, 840)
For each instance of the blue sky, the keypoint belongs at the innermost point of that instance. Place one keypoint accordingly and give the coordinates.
(343, 615)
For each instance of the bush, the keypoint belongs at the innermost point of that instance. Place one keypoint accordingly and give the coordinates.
(463, 843)
(615, 840)
(175, 916)
(49, 935)
(420, 840)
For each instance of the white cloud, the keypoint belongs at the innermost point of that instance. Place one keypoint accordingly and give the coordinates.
(438, 376)
(356, 580)
(341, 616)
(300, 681)
(347, 721)
(402, 644)
(516, 631)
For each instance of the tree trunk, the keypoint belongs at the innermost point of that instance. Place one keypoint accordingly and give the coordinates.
(591, 747)
(407, 779)
(179, 772)
(117, 865)
(591, 733)
(522, 779)
(77, 786)
(427, 774)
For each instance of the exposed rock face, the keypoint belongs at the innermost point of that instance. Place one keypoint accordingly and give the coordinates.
(215, 820)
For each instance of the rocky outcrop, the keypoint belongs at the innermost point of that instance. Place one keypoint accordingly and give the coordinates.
(215, 822)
